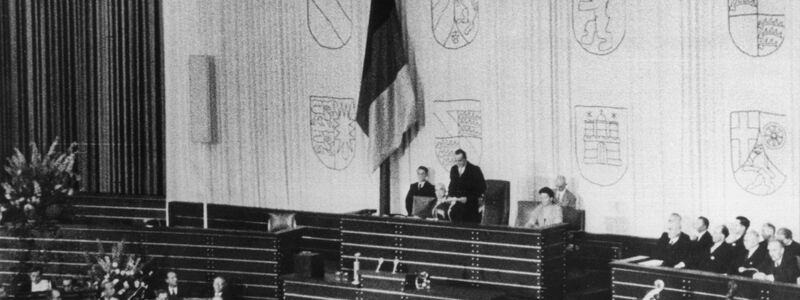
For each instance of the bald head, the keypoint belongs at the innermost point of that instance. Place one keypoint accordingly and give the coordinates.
(561, 182)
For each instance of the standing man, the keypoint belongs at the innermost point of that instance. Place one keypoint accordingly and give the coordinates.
(782, 267)
(673, 247)
(792, 248)
(564, 197)
(468, 185)
(420, 188)
(767, 234)
(736, 239)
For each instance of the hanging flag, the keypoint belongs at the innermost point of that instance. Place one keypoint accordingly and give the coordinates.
(388, 108)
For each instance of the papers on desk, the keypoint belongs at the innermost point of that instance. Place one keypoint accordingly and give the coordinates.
(651, 263)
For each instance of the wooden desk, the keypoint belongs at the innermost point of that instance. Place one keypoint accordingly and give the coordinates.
(520, 261)
(330, 289)
(633, 281)
(250, 261)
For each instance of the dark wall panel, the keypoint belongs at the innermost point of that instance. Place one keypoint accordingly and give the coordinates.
(88, 71)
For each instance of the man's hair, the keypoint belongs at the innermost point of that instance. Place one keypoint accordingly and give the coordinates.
(704, 220)
(459, 151)
(770, 226)
(160, 291)
(548, 191)
(676, 215)
(424, 169)
(724, 230)
(744, 222)
(36, 269)
(777, 242)
(753, 233)
(785, 232)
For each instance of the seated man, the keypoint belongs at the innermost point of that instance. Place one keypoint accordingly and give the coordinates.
(221, 290)
(702, 242)
(39, 284)
(171, 287)
(548, 212)
(782, 268)
(420, 188)
(673, 247)
(784, 235)
(746, 263)
(767, 234)
(719, 257)
(736, 239)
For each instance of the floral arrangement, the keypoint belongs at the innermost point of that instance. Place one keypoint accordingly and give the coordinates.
(37, 184)
(128, 273)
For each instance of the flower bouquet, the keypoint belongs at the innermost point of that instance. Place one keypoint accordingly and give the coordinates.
(37, 185)
(125, 275)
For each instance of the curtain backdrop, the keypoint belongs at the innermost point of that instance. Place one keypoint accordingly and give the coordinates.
(87, 71)
(667, 108)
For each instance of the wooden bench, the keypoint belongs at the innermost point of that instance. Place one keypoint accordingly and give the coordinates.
(632, 281)
(118, 210)
(321, 234)
(251, 262)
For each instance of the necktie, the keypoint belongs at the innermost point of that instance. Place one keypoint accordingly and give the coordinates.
(420, 186)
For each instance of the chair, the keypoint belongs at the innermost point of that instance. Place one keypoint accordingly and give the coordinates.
(496, 201)
(423, 206)
(524, 211)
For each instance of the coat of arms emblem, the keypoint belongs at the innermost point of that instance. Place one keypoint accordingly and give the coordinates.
(333, 131)
(599, 25)
(454, 22)
(757, 26)
(758, 151)
(601, 143)
(459, 126)
(329, 22)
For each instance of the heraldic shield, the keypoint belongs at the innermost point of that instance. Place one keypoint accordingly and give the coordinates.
(459, 125)
(454, 22)
(330, 22)
(333, 131)
(599, 25)
(757, 26)
(602, 143)
(758, 152)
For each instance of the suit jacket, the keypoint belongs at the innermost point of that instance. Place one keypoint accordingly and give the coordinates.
(738, 246)
(472, 185)
(793, 249)
(675, 253)
(427, 190)
(759, 257)
(568, 199)
(181, 293)
(718, 261)
(701, 248)
(786, 271)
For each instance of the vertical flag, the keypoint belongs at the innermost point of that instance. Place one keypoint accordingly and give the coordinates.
(387, 105)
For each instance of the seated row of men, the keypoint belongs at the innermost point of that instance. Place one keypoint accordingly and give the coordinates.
(769, 255)
(169, 290)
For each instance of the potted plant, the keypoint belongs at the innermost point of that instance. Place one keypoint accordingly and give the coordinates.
(37, 186)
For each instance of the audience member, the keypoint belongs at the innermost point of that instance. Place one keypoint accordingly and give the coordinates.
(171, 287)
(767, 234)
(718, 258)
(747, 263)
(701, 242)
(162, 294)
(673, 246)
(55, 294)
(792, 248)
(221, 290)
(740, 227)
(39, 284)
(782, 267)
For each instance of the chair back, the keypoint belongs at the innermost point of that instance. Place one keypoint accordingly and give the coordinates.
(496, 201)
(423, 206)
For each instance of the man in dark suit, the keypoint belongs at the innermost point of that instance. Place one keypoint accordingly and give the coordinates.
(221, 289)
(173, 291)
(782, 267)
(736, 239)
(674, 246)
(719, 256)
(466, 181)
(792, 248)
(767, 234)
(702, 242)
(754, 256)
(420, 188)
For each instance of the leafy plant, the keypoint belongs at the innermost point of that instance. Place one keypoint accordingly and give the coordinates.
(38, 183)
(127, 272)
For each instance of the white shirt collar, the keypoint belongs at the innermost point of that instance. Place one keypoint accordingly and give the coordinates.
(716, 245)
